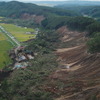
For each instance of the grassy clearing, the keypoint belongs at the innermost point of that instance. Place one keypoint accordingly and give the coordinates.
(4, 58)
(5, 45)
(18, 32)
(2, 37)
(1, 17)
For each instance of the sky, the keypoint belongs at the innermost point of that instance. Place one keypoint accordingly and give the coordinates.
(48, 0)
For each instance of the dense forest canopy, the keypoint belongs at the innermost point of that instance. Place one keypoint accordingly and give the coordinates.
(7, 11)
(89, 10)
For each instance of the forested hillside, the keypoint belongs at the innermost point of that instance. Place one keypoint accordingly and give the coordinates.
(11, 9)
(86, 10)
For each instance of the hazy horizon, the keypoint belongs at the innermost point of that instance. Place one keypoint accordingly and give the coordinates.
(46, 0)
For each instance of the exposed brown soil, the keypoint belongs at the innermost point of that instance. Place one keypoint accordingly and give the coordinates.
(79, 71)
(36, 18)
(39, 19)
(78, 94)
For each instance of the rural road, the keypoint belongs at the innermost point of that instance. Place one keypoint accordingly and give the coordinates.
(10, 36)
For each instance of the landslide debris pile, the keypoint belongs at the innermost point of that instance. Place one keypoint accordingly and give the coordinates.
(78, 76)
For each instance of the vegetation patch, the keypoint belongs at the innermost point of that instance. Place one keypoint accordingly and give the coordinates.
(2, 37)
(45, 42)
(5, 45)
(94, 44)
(4, 58)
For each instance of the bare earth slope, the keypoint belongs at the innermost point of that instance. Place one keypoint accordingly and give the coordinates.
(79, 71)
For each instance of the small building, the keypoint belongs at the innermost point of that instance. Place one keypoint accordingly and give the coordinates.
(20, 65)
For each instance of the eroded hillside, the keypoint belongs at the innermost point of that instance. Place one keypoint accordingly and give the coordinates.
(78, 75)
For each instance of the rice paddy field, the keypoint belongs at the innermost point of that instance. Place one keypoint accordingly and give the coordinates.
(20, 33)
(5, 46)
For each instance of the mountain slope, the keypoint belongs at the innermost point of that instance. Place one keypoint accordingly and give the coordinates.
(89, 10)
(11, 9)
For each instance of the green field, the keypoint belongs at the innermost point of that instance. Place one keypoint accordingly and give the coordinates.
(5, 45)
(18, 32)
(1, 17)
(2, 37)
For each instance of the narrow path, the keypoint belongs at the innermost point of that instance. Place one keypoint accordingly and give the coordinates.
(67, 49)
(11, 38)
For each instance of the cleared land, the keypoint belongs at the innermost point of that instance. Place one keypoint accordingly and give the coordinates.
(20, 33)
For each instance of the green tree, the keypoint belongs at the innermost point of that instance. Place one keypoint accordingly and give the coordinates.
(94, 44)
